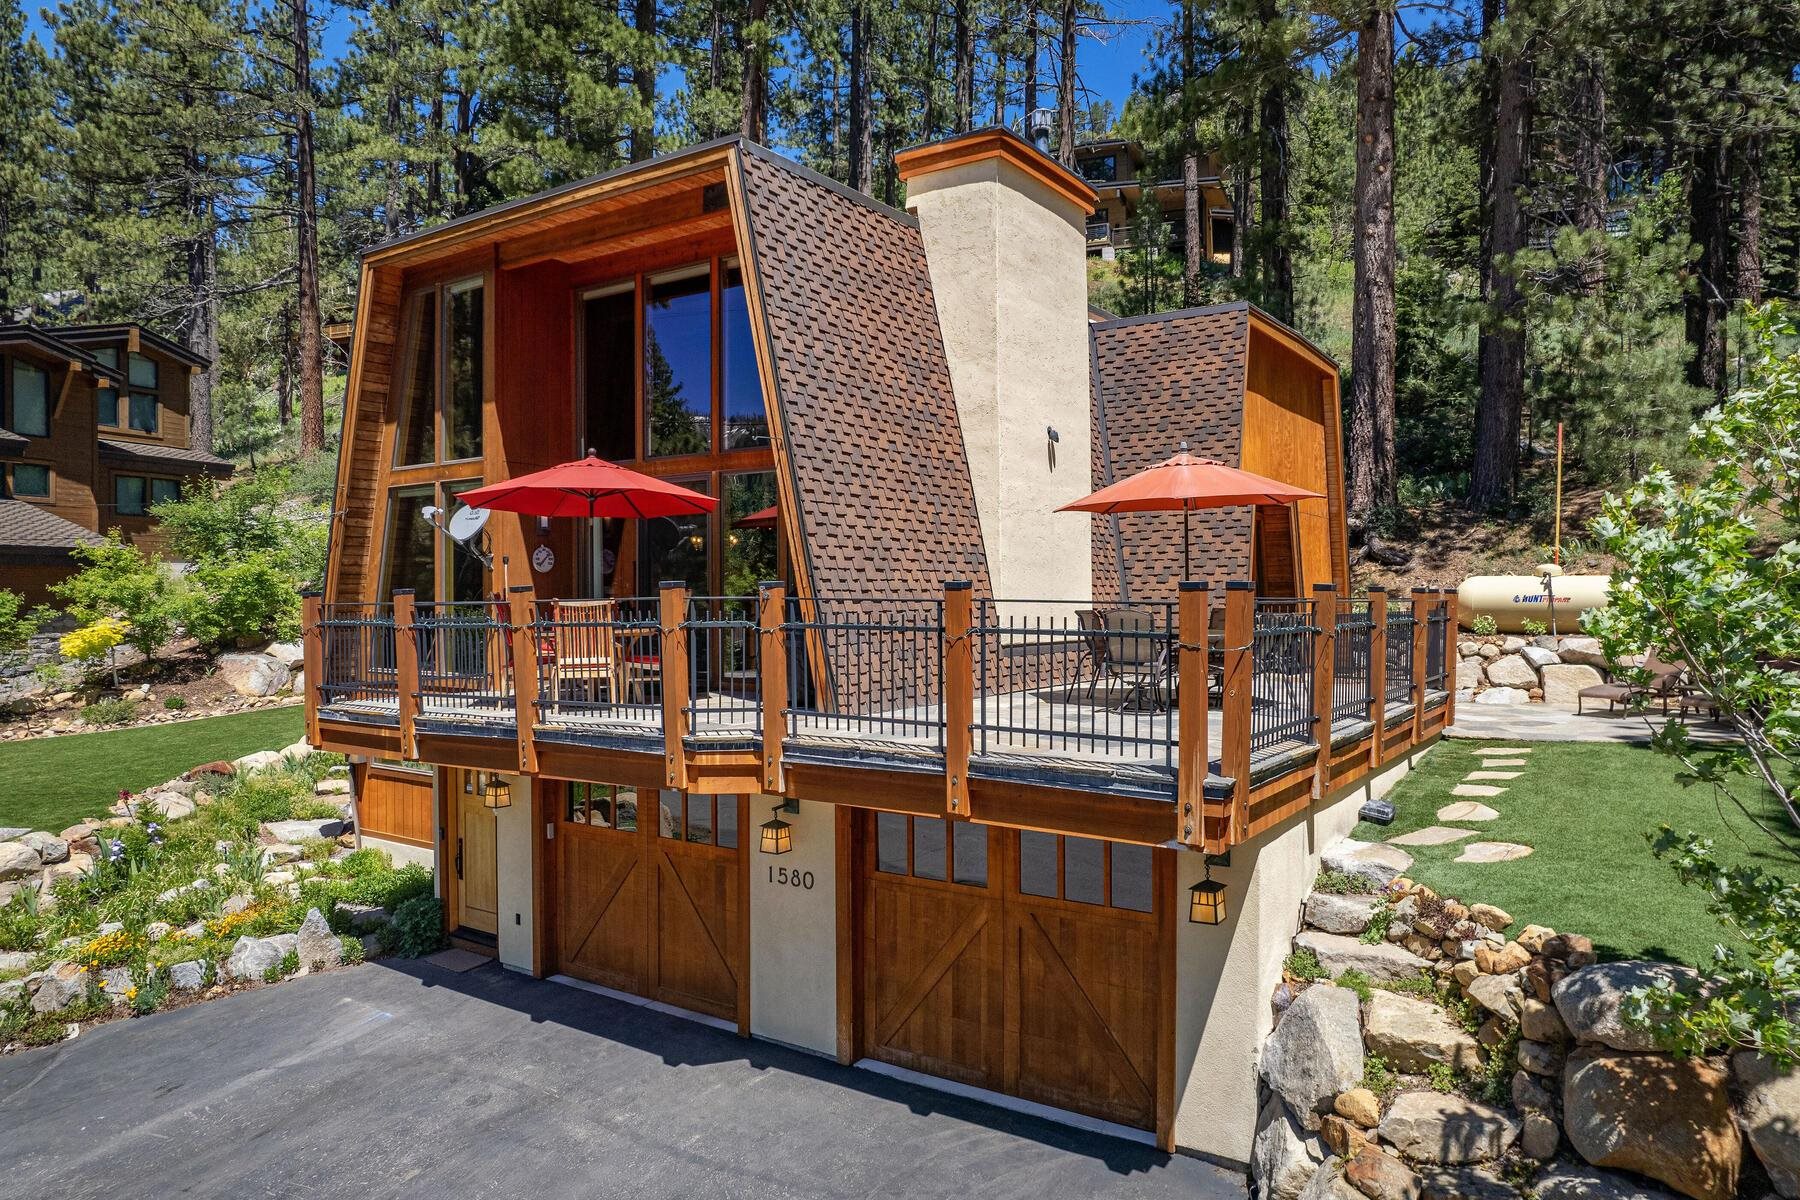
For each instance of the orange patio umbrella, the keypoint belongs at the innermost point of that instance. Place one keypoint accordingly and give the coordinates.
(762, 518)
(591, 487)
(1187, 483)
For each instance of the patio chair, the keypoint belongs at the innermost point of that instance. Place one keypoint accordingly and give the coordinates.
(1134, 656)
(582, 655)
(1664, 685)
(1092, 623)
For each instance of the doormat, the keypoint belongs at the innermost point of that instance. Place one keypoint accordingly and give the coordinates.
(457, 960)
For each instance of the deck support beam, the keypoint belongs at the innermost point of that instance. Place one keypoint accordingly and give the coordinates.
(771, 606)
(525, 675)
(959, 693)
(1240, 657)
(406, 672)
(1191, 758)
(312, 649)
(675, 654)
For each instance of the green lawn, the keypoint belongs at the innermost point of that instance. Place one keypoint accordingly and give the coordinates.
(1584, 808)
(51, 783)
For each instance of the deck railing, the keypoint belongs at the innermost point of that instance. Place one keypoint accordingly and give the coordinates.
(1399, 656)
(465, 653)
(1437, 644)
(598, 660)
(865, 668)
(1281, 706)
(1352, 679)
(724, 667)
(356, 655)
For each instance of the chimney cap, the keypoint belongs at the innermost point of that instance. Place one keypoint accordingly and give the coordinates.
(996, 142)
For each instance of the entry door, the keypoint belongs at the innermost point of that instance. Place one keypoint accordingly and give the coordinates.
(478, 890)
(1023, 963)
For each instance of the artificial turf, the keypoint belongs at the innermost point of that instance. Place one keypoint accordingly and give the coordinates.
(1585, 809)
(51, 783)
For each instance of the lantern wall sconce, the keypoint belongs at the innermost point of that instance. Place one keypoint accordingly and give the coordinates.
(1206, 899)
(777, 834)
(497, 793)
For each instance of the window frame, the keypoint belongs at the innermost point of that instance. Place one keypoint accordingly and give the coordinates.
(155, 399)
(151, 486)
(14, 365)
(143, 509)
(47, 496)
(441, 293)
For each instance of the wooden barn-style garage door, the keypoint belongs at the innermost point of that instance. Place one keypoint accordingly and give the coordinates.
(1024, 963)
(651, 896)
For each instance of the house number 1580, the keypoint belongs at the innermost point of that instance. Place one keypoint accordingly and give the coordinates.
(787, 878)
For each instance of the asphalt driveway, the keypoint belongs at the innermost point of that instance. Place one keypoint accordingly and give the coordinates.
(408, 1080)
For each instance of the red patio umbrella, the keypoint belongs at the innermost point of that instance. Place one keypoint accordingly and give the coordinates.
(1187, 483)
(590, 488)
(762, 518)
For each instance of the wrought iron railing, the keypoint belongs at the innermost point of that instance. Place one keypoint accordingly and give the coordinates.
(356, 655)
(599, 661)
(866, 667)
(465, 660)
(1281, 672)
(1399, 656)
(724, 653)
(1352, 677)
(1437, 645)
(1082, 681)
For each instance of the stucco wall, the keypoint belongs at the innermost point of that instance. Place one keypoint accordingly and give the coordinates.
(512, 853)
(402, 852)
(1226, 974)
(1009, 272)
(793, 930)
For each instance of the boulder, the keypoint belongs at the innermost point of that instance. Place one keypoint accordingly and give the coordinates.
(1584, 650)
(1487, 650)
(1541, 1022)
(1315, 1052)
(1499, 995)
(1359, 1105)
(116, 983)
(18, 860)
(62, 986)
(1343, 1138)
(9, 832)
(1513, 671)
(169, 806)
(1539, 1136)
(298, 751)
(1464, 1183)
(12, 961)
(280, 852)
(80, 831)
(1529, 1095)
(300, 831)
(1382, 1176)
(1328, 1183)
(289, 654)
(1376, 862)
(332, 787)
(316, 944)
(1468, 673)
(260, 760)
(1508, 958)
(156, 931)
(1667, 1118)
(1436, 1128)
(1563, 682)
(49, 849)
(364, 917)
(1503, 695)
(1533, 937)
(1340, 914)
(254, 674)
(188, 976)
(1413, 1035)
(251, 957)
(1578, 1182)
(1487, 915)
(218, 769)
(1540, 657)
(1590, 1000)
(1282, 1158)
(1512, 643)
(1382, 961)
(1770, 1116)
(1540, 1058)
(79, 866)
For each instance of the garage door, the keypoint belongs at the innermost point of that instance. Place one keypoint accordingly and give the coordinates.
(651, 895)
(1023, 963)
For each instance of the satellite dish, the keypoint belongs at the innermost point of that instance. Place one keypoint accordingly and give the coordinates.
(466, 523)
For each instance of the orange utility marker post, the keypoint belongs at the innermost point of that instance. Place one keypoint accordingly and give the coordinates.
(673, 618)
(771, 607)
(1190, 746)
(1325, 619)
(406, 672)
(1421, 631)
(312, 649)
(1240, 661)
(1377, 671)
(959, 693)
(525, 674)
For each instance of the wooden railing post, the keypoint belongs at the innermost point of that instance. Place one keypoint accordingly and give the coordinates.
(312, 659)
(1452, 659)
(406, 672)
(675, 650)
(1325, 619)
(1191, 758)
(1240, 664)
(1377, 670)
(525, 674)
(1421, 632)
(959, 693)
(771, 609)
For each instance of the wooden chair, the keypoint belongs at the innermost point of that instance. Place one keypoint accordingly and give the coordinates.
(583, 652)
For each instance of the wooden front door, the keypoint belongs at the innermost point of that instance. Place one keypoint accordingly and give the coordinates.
(1023, 963)
(652, 896)
(477, 877)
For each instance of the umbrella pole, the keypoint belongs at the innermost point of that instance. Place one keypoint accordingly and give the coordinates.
(1186, 570)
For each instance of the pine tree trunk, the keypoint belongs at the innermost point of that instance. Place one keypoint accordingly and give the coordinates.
(929, 83)
(1591, 163)
(962, 70)
(1065, 100)
(643, 73)
(311, 368)
(393, 209)
(1243, 218)
(756, 78)
(862, 108)
(1272, 175)
(998, 42)
(1031, 57)
(1709, 203)
(202, 326)
(1371, 437)
(1501, 402)
(1749, 281)
(1190, 215)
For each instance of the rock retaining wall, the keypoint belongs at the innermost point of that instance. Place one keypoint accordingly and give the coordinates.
(1511, 669)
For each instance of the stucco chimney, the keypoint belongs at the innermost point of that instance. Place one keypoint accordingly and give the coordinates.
(1005, 231)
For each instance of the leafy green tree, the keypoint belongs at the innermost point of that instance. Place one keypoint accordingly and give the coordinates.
(17, 623)
(123, 583)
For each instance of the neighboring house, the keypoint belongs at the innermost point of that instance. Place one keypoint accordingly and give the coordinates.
(991, 828)
(93, 432)
(1116, 169)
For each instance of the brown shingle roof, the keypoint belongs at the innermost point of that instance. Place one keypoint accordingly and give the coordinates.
(12, 445)
(1159, 380)
(27, 530)
(157, 457)
(873, 441)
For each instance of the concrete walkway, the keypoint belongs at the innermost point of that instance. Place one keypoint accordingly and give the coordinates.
(1559, 723)
(408, 1080)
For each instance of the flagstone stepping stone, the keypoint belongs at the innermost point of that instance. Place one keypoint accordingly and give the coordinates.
(1467, 810)
(1492, 775)
(1506, 762)
(1476, 789)
(1492, 852)
(1503, 749)
(1431, 835)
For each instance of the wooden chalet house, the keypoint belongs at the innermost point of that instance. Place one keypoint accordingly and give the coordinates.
(93, 432)
(883, 758)
(1116, 170)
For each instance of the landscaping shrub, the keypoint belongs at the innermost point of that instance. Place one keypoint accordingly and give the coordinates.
(1304, 964)
(20, 922)
(174, 703)
(417, 928)
(1484, 625)
(289, 964)
(1379, 1076)
(121, 581)
(119, 711)
(17, 625)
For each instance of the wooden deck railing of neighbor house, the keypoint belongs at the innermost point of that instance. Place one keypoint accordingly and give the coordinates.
(1205, 720)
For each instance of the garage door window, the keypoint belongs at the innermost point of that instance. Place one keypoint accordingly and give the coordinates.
(604, 804)
(704, 820)
(1085, 871)
(932, 848)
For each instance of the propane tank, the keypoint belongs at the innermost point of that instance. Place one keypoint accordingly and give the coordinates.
(1513, 600)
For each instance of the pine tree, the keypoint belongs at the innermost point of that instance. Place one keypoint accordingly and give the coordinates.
(26, 239)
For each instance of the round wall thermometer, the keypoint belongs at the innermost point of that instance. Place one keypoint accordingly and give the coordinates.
(543, 560)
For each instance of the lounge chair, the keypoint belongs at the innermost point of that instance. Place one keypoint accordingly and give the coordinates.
(1664, 685)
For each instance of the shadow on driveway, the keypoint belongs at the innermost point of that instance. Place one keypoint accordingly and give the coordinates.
(399, 1078)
